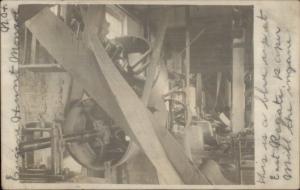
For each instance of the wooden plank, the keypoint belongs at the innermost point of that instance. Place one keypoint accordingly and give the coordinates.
(155, 56)
(187, 48)
(187, 63)
(238, 89)
(104, 84)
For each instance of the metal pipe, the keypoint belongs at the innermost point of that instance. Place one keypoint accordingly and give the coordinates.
(32, 147)
(39, 140)
(46, 142)
(36, 129)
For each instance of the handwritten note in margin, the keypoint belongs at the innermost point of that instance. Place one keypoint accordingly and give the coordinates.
(276, 102)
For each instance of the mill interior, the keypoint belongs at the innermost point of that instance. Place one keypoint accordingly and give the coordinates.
(136, 94)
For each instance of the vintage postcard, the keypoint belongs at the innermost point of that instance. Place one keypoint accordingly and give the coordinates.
(150, 94)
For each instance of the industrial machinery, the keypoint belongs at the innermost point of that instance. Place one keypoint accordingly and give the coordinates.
(90, 135)
(95, 129)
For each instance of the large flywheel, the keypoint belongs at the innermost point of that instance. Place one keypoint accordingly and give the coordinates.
(108, 142)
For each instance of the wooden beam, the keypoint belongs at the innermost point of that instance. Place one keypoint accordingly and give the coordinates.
(104, 84)
(188, 172)
(135, 114)
(187, 63)
(155, 56)
(238, 88)
(188, 49)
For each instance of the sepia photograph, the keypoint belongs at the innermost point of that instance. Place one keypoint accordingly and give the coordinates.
(136, 94)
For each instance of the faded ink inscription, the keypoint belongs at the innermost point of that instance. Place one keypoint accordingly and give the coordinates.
(274, 93)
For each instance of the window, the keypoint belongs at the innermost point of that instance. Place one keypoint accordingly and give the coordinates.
(115, 26)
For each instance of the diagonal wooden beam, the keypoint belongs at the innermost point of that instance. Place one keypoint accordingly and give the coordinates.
(174, 151)
(102, 81)
(187, 171)
(105, 85)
